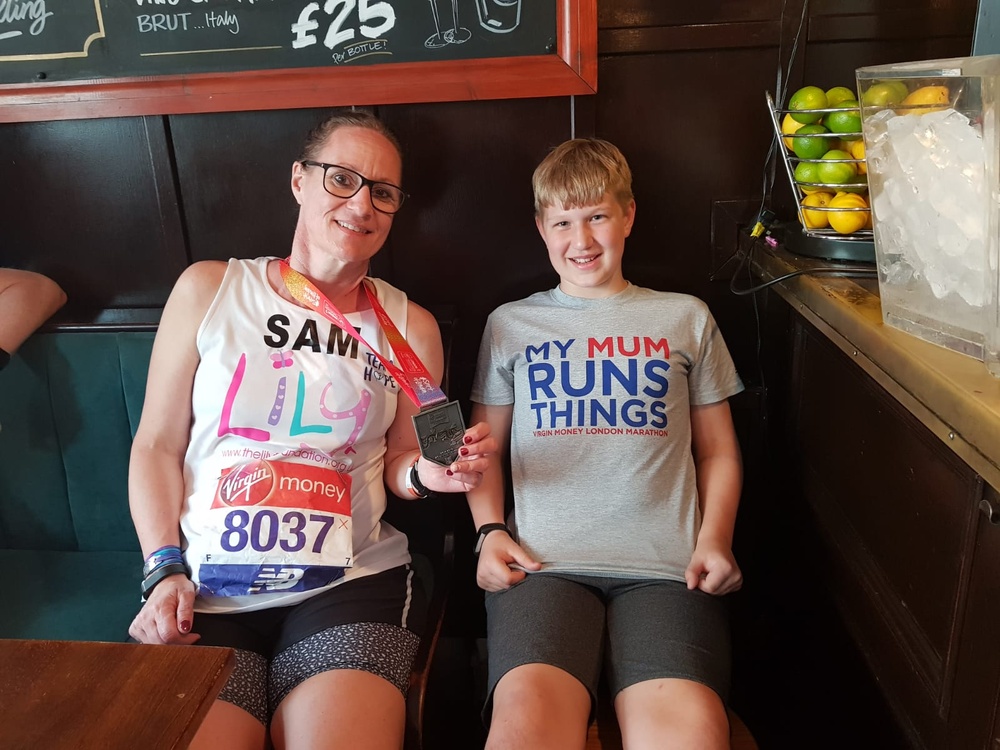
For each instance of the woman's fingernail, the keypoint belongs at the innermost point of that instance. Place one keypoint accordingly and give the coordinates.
(467, 439)
(185, 626)
(464, 451)
(450, 473)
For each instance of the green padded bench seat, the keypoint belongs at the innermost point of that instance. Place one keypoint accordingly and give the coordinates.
(70, 403)
(69, 406)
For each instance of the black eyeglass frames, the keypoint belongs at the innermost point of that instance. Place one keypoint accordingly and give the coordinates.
(342, 182)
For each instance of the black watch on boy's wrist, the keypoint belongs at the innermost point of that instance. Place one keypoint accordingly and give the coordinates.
(484, 530)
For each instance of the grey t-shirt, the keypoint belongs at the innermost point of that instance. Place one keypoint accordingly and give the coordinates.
(604, 480)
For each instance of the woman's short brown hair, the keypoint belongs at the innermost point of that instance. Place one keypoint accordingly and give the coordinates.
(346, 118)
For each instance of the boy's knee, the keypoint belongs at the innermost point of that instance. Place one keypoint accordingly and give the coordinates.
(674, 713)
(539, 705)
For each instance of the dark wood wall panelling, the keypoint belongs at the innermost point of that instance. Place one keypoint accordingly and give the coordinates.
(94, 205)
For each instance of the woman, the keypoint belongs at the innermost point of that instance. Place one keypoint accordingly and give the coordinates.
(266, 436)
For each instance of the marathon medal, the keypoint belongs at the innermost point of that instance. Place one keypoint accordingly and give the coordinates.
(439, 425)
(440, 430)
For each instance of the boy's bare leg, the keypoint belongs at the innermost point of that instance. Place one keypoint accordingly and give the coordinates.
(539, 707)
(672, 713)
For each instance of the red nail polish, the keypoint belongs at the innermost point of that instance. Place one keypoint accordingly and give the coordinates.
(185, 626)
(464, 451)
(467, 439)
(450, 473)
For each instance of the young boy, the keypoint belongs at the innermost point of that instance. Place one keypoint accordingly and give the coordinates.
(626, 476)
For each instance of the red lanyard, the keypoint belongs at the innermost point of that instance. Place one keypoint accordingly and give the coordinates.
(411, 374)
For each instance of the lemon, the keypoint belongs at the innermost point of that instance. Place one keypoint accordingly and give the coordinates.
(815, 219)
(839, 94)
(806, 172)
(925, 99)
(807, 143)
(846, 121)
(857, 150)
(852, 216)
(788, 126)
(807, 98)
(836, 168)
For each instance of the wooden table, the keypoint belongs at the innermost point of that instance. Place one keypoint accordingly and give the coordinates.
(63, 695)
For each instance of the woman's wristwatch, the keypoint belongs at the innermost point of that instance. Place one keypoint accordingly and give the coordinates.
(484, 531)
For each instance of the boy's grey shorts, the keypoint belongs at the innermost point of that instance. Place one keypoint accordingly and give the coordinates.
(638, 629)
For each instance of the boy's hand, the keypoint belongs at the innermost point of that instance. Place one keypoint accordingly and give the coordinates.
(713, 569)
(474, 458)
(499, 552)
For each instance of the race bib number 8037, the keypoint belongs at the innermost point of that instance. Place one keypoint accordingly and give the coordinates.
(277, 526)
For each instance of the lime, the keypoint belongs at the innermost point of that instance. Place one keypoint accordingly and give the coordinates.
(861, 186)
(807, 98)
(846, 121)
(808, 144)
(839, 94)
(900, 86)
(816, 219)
(806, 172)
(832, 170)
(885, 94)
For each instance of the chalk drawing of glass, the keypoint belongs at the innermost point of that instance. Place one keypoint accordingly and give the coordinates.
(499, 16)
(457, 34)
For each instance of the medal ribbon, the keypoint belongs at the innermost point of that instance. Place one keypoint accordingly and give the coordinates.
(411, 374)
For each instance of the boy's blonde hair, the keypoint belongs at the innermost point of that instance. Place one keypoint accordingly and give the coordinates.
(579, 172)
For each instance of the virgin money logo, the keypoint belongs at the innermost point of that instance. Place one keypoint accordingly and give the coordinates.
(249, 484)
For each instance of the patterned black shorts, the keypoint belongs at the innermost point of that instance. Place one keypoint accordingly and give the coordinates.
(371, 623)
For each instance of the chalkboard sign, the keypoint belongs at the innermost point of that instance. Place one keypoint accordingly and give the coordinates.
(85, 58)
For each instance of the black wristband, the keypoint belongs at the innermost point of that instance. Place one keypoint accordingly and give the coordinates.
(413, 483)
(484, 530)
(4, 359)
(154, 578)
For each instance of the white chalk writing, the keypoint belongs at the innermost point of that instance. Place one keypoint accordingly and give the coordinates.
(13, 11)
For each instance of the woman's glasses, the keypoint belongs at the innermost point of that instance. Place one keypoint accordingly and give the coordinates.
(342, 182)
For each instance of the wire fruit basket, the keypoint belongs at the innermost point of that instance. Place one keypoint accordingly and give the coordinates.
(815, 214)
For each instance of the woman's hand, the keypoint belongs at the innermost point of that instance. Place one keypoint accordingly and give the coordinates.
(498, 553)
(167, 615)
(475, 458)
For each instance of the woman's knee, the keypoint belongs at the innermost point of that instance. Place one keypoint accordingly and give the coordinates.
(230, 726)
(341, 708)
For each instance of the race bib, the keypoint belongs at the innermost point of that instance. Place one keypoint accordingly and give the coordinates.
(276, 526)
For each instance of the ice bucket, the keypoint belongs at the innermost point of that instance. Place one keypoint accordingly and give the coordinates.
(932, 150)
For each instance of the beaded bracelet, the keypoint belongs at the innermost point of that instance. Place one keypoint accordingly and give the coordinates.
(162, 556)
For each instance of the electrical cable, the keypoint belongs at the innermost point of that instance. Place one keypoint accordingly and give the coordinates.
(770, 160)
(745, 259)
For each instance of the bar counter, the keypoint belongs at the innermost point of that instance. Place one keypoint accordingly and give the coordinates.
(952, 394)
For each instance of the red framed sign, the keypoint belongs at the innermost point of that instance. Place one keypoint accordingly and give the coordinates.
(343, 52)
